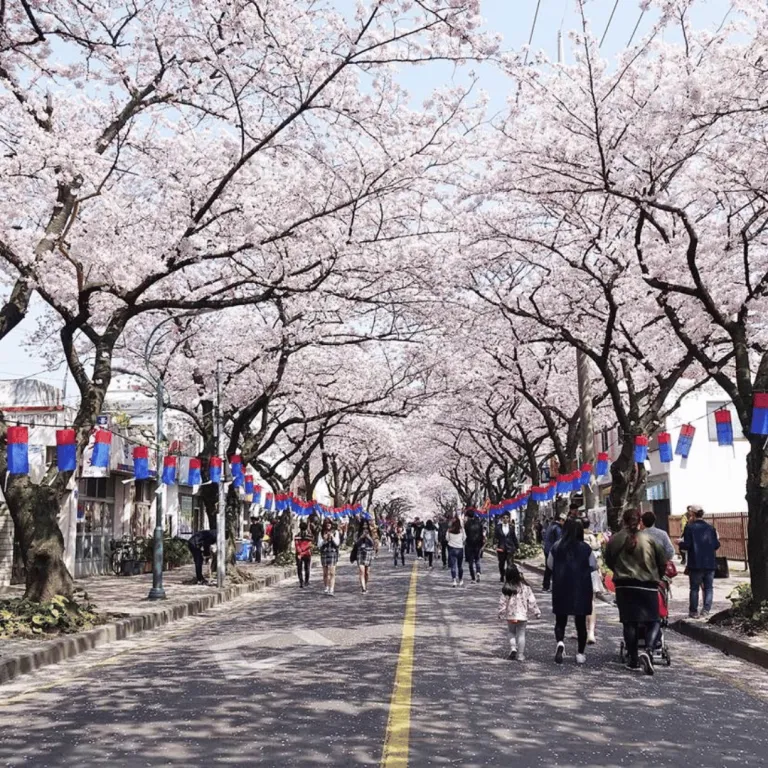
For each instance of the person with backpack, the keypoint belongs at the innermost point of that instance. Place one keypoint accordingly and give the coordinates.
(551, 537)
(362, 553)
(505, 540)
(328, 543)
(571, 562)
(429, 540)
(456, 539)
(303, 547)
(475, 540)
(257, 538)
(516, 603)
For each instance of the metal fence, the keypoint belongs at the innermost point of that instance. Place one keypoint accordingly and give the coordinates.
(732, 530)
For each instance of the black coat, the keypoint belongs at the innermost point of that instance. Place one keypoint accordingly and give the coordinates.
(571, 580)
(506, 543)
(474, 530)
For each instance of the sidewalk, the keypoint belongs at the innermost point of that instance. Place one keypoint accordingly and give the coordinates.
(126, 599)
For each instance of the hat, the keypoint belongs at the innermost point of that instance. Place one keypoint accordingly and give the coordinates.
(562, 517)
(574, 504)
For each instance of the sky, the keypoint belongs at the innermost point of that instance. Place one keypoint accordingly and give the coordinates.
(513, 19)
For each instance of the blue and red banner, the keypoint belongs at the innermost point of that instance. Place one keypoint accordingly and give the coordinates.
(18, 450)
(236, 467)
(665, 447)
(257, 494)
(602, 464)
(641, 448)
(723, 426)
(195, 476)
(268, 501)
(685, 440)
(66, 450)
(249, 485)
(141, 462)
(169, 470)
(214, 469)
(101, 448)
(586, 474)
(759, 425)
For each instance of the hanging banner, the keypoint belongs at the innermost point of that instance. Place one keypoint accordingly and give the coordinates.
(641, 449)
(214, 469)
(268, 500)
(236, 467)
(195, 476)
(141, 462)
(586, 474)
(18, 450)
(602, 464)
(665, 447)
(723, 426)
(257, 494)
(759, 424)
(169, 470)
(685, 440)
(66, 450)
(101, 446)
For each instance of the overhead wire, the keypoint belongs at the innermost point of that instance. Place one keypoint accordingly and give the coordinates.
(610, 21)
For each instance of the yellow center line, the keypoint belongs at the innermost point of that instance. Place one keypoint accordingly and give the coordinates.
(396, 740)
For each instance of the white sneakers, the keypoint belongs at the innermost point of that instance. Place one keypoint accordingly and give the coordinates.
(461, 583)
(559, 652)
(581, 659)
(455, 583)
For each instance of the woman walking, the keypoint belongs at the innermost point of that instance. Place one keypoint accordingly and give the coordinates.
(365, 547)
(456, 539)
(595, 544)
(571, 562)
(429, 541)
(517, 601)
(303, 546)
(638, 563)
(398, 543)
(328, 544)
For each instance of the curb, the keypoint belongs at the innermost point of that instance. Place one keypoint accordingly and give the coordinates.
(730, 646)
(69, 646)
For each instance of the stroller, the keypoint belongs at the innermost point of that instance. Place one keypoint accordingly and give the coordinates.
(661, 649)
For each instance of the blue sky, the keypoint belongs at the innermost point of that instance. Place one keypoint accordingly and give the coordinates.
(511, 18)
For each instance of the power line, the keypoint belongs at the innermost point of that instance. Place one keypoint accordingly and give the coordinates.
(634, 31)
(533, 29)
(610, 20)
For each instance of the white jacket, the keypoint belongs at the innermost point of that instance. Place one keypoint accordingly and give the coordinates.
(517, 607)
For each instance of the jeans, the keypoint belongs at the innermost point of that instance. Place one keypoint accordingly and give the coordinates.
(561, 622)
(517, 636)
(256, 551)
(456, 561)
(444, 552)
(303, 563)
(401, 551)
(699, 578)
(631, 638)
(429, 556)
(473, 558)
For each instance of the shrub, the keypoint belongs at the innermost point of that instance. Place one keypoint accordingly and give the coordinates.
(528, 551)
(746, 614)
(59, 615)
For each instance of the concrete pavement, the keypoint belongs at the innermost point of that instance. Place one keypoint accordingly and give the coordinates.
(290, 677)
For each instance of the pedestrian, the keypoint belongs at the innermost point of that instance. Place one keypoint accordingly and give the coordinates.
(475, 541)
(442, 537)
(365, 548)
(596, 545)
(506, 544)
(538, 529)
(456, 539)
(688, 517)
(418, 531)
(551, 537)
(429, 539)
(328, 543)
(302, 544)
(571, 562)
(516, 603)
(638, 563)
(398, 543)
(648, 519)
(200, 544)
(700, 542)
(257, 538)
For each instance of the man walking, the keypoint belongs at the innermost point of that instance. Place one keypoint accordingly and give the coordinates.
(661, 537)
(442, 537)
(257, 538)
(473, 528)
(700, 542)
(551, 537)
(506, 543)
(200, 544)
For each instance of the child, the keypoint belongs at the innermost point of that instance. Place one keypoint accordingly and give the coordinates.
(516, 602)
(303, 545)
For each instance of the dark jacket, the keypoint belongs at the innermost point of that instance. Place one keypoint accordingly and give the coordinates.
(442, 531)
(572, 580)
(418, 529)
(202, 540)
(475, 533)
(551, 536)
(506, 543)
(700, 542)
(257, 531)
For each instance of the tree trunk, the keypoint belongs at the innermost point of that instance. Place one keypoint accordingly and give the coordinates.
(210, 496)
(282, 537)
(35, 513)
(232, 508)
(627, 482)
(531, 513)
(757, 504)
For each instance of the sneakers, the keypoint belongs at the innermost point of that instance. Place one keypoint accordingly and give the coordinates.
(581, 659)
(478, 577)
(591, 639)
(301, 584)
(461, 582)
(455, 583)
(705, 614)
(693, 615)
(330, 592)
(646, 662)
(521, 657)
(327, 591)
(559, 653)
(501, 579)
(512, 655)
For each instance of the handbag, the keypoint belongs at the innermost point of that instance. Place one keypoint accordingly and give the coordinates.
(353, 553)
(598, 587)
(670, 570)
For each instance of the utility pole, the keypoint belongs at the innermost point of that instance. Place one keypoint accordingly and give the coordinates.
(221, 524)
(157, 592)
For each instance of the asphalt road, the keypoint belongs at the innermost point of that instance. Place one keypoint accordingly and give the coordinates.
(291, 677)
